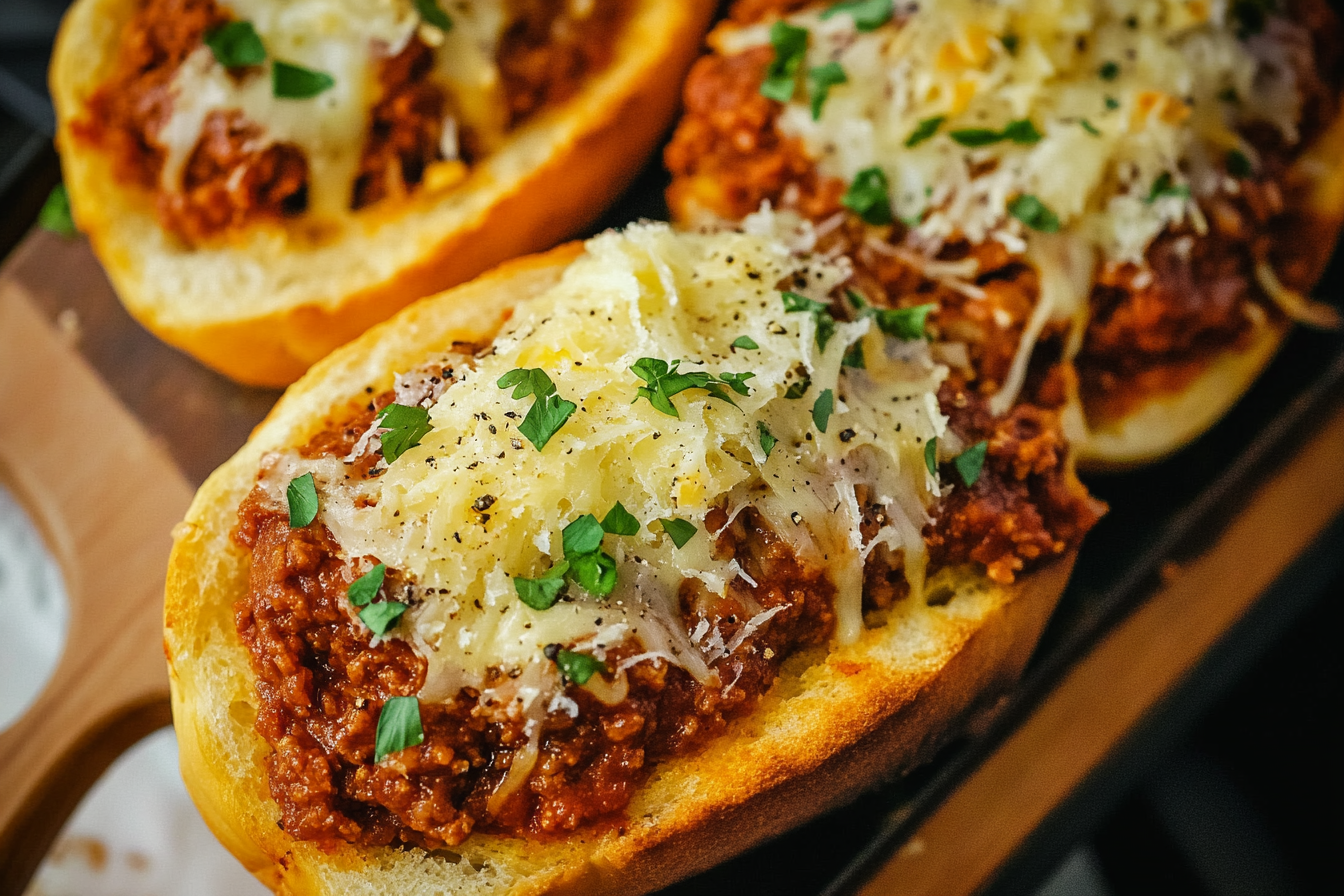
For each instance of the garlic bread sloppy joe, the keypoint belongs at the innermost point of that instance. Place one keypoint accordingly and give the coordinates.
(1148, 189)
(264, 179)
(565, 597)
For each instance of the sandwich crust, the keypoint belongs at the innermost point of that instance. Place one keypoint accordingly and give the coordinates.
(265, 303)
(835, 722)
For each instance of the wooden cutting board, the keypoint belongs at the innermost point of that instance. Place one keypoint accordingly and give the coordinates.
(109, 432)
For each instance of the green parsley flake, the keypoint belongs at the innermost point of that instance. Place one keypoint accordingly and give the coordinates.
(868, 15)
(903, 323)
(405, 426)
(970, 462)
(55, 214)
(380, 617)
(1021, 131)
(236, 45)
(1164, 187)
(924, 130)
(302, 495)
(365, 588)
(868, 198)
(578, 667)
(798, 389)
(931, 456)
(294, 82)
(663, 380)
(781, 78)
(679, 530)
(768, 441)
(542, 592)
(820, 80)
(1089, 127)
(854, 357)
(620, 521)
(582, 535)
(822, 409)
(589, 566)
(548, 413)
(1009, 42)
(1034, 213)
(820, 311)
(745, 342)
(398, 727)
(433, 14)
(1112, 104)
(1238, 165)
(1109, 71)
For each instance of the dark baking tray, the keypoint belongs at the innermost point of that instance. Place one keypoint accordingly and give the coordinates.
(1157, 516)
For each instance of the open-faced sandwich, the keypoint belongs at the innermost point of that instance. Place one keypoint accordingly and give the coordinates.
(263, 180)
(596, 570)
(1146, 188)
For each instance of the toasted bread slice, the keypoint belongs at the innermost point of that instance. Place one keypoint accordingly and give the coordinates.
(262, 304)
(840, 718)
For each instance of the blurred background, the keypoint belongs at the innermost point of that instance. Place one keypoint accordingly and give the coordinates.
(1232, 785)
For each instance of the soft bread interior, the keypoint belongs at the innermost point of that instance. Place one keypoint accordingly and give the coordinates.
(833, 724)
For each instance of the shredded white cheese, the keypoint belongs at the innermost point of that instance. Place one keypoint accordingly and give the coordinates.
(476, 504)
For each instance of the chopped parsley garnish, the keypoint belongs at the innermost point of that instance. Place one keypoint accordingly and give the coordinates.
(902, 323)
(924, 130)
(433, 14)
(548, 413)
(781, 78)
(820, 311)
(970, 462)
(1112, 103)
(820, 80)
(578, 667)
(854, 357)
(365, 588)
(1021, 131)
(380, 617)
(1229, 95)
(768, 441)
(679, 530)
(302, 495)
(1034, 213)
(294, 82)
(1164, 187)
(867, 196)
(405, 426)
(236, 44)
(663, 380)
(1238, 165)
(620, 521)
(542, 592)
(55, 214)
(868, 15)
(799, 389)
(398, 727)
(931, 456)
(823, 408)
(1009, 42)
(1089, 127)
(1109, 71)
(589, 565)
(745, 342)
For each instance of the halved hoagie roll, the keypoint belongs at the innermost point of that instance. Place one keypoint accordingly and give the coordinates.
(1148, 190)
(264, 180)
(599, 569)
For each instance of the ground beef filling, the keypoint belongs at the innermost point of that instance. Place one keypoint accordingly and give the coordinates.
(1151, 330)
(321, 682)
(233, 178)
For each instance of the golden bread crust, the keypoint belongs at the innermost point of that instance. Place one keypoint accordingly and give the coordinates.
(833, 724)
(266, 305)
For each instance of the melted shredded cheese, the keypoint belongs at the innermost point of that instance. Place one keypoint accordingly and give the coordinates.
(644, 292)
(348, 40)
